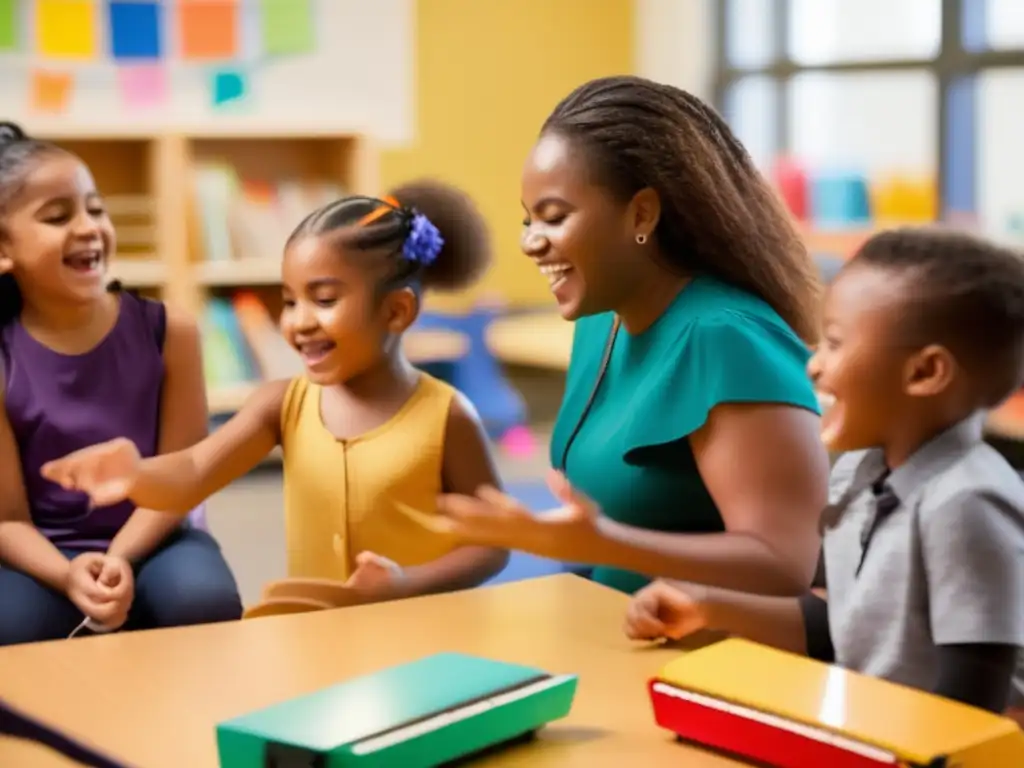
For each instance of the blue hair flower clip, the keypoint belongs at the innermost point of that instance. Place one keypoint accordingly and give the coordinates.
(424, 241)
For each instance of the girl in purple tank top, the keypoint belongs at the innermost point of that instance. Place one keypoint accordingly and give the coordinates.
(82, 362)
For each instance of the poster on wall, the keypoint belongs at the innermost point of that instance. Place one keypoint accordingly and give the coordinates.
(197, 64)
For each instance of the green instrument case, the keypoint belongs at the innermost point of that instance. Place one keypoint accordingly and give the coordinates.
(425, 713)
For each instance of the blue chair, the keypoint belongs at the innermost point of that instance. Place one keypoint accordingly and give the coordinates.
(478, 375)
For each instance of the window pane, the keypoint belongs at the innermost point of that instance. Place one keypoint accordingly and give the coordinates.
(959, 193)
(843, 124)
(749, 39)
(1000, 161)
(846, 120)
(751, 109)
(830, 31)
(993, 24)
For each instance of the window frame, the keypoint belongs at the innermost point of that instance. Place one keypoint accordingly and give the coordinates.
(953, 64)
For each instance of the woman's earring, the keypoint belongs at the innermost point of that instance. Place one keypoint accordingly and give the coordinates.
(641, 239)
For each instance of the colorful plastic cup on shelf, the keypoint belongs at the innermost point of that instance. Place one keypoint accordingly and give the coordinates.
(840, 200)
(791, 181)
(903, 199)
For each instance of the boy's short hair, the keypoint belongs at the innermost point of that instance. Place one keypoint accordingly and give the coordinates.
(964, 293)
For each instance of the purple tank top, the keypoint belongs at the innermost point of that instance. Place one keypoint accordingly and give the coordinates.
(59, 403)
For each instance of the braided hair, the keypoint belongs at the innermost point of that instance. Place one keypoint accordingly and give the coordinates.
(719, 214)
(423, 234)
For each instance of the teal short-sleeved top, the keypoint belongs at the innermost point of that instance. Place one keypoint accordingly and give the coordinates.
(714, 344)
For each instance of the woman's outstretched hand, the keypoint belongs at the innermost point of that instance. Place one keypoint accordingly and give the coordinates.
(494, 519)
(106, 473)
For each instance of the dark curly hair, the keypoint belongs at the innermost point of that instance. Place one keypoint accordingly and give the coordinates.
(18, 152)
(719, 215)
(962, 292)
(463, 258)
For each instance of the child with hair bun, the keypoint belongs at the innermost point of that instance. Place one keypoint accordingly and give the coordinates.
(364, 434)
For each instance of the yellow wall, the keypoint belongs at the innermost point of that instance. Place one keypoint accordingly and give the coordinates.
(487, 74)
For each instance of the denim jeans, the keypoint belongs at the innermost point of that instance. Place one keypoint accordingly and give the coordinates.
(185, 581)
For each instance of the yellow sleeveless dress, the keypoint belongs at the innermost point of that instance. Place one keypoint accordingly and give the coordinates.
(341, 495)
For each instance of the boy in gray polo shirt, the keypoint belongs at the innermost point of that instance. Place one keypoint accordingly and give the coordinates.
(924, 532)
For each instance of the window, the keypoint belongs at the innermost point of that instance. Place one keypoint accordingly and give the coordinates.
(883, 115)
(1000, 152)
(751, 107)
(831, 31)
(873, 92)
(844, 120)
(750, 39)
(996, 25)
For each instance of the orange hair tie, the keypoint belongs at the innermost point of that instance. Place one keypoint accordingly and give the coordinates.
(390, 204)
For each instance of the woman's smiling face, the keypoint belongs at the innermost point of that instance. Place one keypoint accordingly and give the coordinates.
(574, 230)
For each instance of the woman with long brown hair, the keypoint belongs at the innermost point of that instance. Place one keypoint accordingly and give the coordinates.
(687, 443)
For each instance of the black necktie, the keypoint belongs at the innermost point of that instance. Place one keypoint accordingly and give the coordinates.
(885, 503)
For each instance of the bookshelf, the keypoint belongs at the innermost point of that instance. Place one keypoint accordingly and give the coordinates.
(250, 192)
(152, 184)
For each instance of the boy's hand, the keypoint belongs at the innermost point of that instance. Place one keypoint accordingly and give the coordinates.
(102, 587)
(666, 610)
(105, 472)
(376, 577)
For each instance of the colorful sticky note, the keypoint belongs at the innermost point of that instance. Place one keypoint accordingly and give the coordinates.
(134, 29)
(66, 29)
(9, 25)
(143, 86)
(228, 87)
(208, 29)
(287, 26)
(51, 91)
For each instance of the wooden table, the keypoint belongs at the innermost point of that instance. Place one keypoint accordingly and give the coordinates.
(153, 698)
(541, 340)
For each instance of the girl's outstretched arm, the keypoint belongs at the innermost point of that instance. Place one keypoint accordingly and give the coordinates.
(177, 482)
(467, 465)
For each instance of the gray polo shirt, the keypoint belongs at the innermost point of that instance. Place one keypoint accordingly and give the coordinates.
(945, 567)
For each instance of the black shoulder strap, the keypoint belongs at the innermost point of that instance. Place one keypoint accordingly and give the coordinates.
(605, 360)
